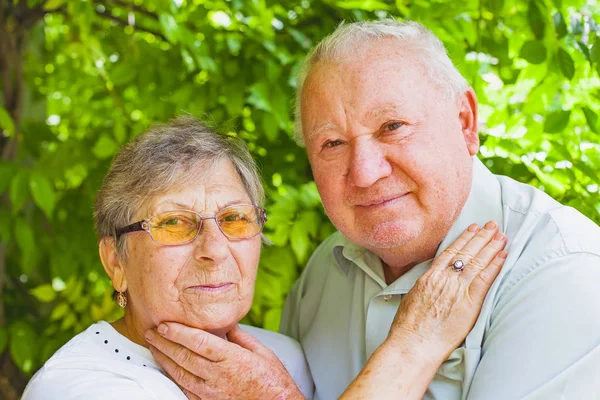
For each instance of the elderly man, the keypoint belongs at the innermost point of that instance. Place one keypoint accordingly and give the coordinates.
(390, 128)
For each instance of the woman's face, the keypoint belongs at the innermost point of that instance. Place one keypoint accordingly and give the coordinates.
(208, 283)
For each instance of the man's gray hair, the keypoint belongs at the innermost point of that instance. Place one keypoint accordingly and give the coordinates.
(349, 39)
(164, 158)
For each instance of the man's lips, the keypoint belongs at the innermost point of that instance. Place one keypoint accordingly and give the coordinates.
(382, 201)
(213, 287)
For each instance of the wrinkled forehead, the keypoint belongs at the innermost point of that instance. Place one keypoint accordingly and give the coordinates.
(190, 183)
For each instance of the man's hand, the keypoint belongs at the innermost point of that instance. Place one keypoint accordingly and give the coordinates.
(207, 367)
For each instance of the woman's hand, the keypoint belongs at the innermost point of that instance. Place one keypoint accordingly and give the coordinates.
(444, 304)
(208, 367)
(434, 317)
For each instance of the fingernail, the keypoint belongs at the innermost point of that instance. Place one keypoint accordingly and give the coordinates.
(490, 226)
(149, 335)
(499, 236)
(502, 255)
(162, 329)
(473, 228)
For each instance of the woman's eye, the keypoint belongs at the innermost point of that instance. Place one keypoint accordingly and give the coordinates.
(332, 143)
(170, 221)
(393, 126)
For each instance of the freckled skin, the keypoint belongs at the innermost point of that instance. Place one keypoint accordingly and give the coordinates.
(388, 132)
(158, 278)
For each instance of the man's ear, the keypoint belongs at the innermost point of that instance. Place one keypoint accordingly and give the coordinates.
(467, 115)
(112, 264)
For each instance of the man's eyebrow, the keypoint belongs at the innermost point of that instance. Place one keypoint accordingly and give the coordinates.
(375, 112)
(324, 127)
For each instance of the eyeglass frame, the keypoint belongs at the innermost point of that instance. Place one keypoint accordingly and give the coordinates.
(144, 225)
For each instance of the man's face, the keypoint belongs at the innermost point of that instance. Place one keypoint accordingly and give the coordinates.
(391, 155)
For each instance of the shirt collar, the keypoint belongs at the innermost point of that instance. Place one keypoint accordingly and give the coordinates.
(482, 205)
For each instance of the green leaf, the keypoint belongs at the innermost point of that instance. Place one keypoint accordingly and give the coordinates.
(105, 147)
(6, 175)
(44, 293)
(6, 122)
(560, 26)
(270, 126)
(23, 346)
(565, 63)
(533, 51)
(272, 319)
(43, 193)
(26, 242)
(537, 22)
(169, 27)
(592, 119)
(53, 4)
(259, 96)
(300, 242)
(60, 311)
(557, 121)
(19, 190)
(595, 52)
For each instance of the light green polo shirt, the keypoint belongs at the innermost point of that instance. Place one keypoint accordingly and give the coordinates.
(537, 336)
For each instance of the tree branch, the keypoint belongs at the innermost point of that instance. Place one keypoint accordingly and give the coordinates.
(106, 14)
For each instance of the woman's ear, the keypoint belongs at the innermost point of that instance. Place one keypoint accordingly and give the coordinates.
(112, 263)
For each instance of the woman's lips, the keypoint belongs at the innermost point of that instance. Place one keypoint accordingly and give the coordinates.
(214, 287)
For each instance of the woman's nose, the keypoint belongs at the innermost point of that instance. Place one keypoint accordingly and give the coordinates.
(211, 244)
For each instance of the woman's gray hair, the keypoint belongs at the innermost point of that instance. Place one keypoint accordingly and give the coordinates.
(163, 158)
(349, 39)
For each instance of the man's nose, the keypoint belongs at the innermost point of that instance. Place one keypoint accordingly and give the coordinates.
(211, 244)
(368, 162)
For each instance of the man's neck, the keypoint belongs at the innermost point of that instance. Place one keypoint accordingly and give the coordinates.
(396, 262)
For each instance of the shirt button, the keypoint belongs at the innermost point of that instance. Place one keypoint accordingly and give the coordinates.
(387, 297)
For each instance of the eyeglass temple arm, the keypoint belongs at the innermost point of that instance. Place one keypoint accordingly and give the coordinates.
(130, 228)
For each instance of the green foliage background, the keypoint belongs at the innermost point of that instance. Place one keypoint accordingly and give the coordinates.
(96, 73)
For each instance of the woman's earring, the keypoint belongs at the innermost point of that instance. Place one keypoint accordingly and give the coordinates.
(121, 299)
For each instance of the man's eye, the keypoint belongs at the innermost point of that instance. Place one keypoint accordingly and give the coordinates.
(393, 126)
(332, 143)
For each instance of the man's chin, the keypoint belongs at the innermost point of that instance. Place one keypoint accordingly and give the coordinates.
(387, 235)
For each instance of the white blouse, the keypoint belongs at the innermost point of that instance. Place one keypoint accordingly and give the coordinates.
(100, 363)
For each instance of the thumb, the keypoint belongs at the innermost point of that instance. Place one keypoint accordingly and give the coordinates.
(249, 342)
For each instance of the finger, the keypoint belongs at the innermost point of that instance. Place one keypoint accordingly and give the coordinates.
(183, 378)
(473, 247)
(242, 338)
(205, 344)
(190, 395)
(180, 355)
(484, 279)
(485, 257)
(443, 259)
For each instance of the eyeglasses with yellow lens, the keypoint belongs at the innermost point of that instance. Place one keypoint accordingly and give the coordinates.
(172, 228)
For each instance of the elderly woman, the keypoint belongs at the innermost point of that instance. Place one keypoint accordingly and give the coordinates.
(179, 219)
